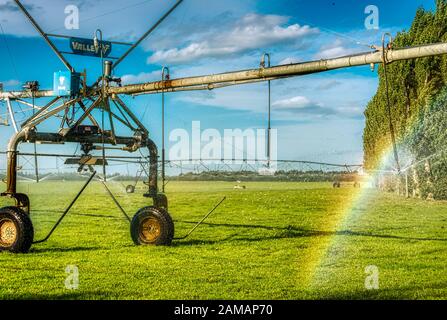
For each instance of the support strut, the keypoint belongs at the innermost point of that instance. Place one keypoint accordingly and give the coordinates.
(67, 210)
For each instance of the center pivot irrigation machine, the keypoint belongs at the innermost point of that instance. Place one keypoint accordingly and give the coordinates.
(73, 101)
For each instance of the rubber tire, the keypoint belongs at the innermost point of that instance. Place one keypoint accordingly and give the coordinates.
(130, 189)
(166, 224)
(25, 230)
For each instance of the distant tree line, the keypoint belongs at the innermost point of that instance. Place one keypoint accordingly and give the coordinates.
(292, 175)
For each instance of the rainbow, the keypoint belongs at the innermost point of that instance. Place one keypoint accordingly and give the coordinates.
(328, 250)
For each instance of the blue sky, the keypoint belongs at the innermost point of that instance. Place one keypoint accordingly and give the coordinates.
(318, 117)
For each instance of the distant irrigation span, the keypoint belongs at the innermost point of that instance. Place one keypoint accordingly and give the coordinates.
(176, 167)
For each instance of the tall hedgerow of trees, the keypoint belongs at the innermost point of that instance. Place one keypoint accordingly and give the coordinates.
(419, 107)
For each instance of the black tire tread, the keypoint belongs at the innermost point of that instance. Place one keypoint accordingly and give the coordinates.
(165, 220)
(25, 230)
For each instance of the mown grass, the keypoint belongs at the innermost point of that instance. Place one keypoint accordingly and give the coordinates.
(269, 241)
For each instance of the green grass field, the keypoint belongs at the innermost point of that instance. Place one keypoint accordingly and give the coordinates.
(269, 241)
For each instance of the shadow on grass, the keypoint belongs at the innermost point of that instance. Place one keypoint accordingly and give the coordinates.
(59, 212)
(57, 296)
(385, 236)
(62, 249)
(399, 293)
(381, 294)
(292, 232)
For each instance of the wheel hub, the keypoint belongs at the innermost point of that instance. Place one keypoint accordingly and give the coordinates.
(8, 232)
(150, 229)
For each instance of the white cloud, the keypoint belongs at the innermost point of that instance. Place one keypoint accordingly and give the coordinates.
(289, 60)
(141, 77)
(10, 83)
(251, 32)
(251, 97)
(117, 19)
(294, 102)
(334, 140)
(304, 106)
(334, 50)
(300, 105)
(296, 99)
(351, 111)
(327, 85)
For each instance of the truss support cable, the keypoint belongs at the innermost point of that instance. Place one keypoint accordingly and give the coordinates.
(103, 101)
(115, 200)
(164, 76)
(44, 35)
(388, 103)
(393, 136)
(104, 172)
(11, 115)
(269, 131)
(269, 109)
(36, 164)
(146, 34)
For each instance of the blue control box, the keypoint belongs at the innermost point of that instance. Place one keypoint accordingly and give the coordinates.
(66, 83)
